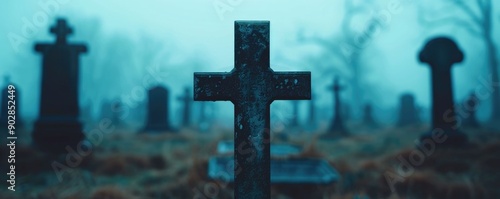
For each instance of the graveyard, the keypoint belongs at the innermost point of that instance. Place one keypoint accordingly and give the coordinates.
(250, 100)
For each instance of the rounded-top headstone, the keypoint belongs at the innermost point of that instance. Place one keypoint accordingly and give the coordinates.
(441, 51)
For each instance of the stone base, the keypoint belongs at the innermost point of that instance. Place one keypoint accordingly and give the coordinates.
(55, 136)
(454, 139)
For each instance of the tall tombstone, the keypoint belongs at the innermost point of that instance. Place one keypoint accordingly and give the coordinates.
(252, 86)
(157, 119)
(337, 127)
(368, 116)
(469, 109)
(441, 53)
(186, 99)
(58, 125)
(408, 112)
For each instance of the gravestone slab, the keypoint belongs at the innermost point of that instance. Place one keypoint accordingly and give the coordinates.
(408, 113)
(58, 125)
(468, 112)
(277, 150)
(368, 116)
(295, 171)
(252, 86)
(441, 53)
(158, 109)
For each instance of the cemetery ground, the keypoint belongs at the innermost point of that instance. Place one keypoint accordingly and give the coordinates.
(174, 165)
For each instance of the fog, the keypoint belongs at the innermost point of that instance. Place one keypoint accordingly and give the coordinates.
(137, 44)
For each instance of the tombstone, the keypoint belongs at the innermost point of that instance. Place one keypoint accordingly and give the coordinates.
(252, 86)
(295, 171)
(58, 125)
(368, 119)
(337, 128)
(441, 53)
(186, 111)
(470, 108)
(157, 119)
(408, 113)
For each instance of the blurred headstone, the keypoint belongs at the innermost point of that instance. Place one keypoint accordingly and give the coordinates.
(158, 108)
(252, 86)
(469, 111)
(186, 100)
(368, 119)
(441, 53)
(58, 125)
(408, 113)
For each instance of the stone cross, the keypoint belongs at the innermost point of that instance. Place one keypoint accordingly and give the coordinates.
(408, 113)
(157, 116)
(58, 126)
(252, 86)
(441, 53)
(337, 124)
(186, 112)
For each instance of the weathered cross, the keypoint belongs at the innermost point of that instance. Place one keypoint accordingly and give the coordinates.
(252, 86)
(61, 30)
(58, 125)
(337, 123)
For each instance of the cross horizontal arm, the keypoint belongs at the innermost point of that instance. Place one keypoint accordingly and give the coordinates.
(291, 86)
(213, 86)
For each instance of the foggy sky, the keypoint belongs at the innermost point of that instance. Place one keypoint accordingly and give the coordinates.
(194, 37)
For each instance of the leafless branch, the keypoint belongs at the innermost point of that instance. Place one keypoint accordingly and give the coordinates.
(469, 11)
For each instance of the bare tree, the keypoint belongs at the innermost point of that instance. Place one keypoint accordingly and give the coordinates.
(478, 21)
(344, 50)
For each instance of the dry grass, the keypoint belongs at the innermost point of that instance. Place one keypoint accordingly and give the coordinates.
(129, 165)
